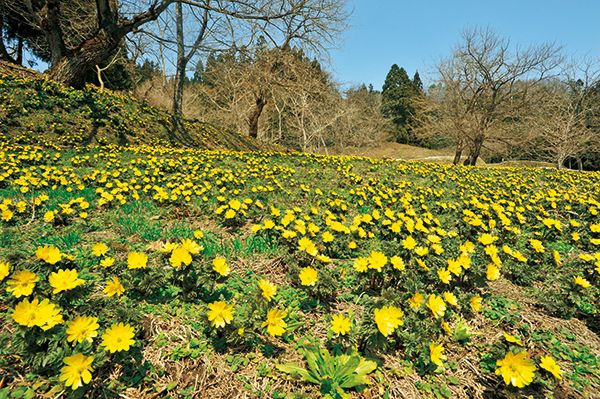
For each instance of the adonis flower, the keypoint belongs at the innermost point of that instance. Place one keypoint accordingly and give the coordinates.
(308, 276)
(4, 270)
(377, 260)
(268, 289)
(191, 246)
(436, 354)
(416, 301)
(436, 305)
(64, 280)
(516, 369)
(220, 314)
(44, 315)
(275, 323)
(77, 370)
(114, 287)
(99, 249)
(137, 260)
(550, 365)
(450, 298)
(487, 239)
(107, 262)
(582, 282)
(220, 266)
(22, 283)
(388, 318)
(82, 328)
(476, 303)
(340, 324)
(180, 257)
(118, 337)
(49, 254)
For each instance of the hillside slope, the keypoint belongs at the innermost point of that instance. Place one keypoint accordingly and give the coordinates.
(35, 110)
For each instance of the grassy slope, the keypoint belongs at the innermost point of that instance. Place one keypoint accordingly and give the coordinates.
(179, 355)
(35, 110)
(185, 357)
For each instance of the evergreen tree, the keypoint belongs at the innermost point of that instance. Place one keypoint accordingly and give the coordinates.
(417, 82)
(396, 102)
(199, 73)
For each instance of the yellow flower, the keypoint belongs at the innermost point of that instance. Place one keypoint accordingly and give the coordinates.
(397, 263)
(377, 260)
(82, 328)
(437, 305)
(107, 262)
(556, 257)
(191, 246)
(328, 237)
(220, 314)
(493, 273)
(114, 287)
(275, 323)
(537, 245)
(77, 370)
(361, 265)
(388, 318)
(268, 289)
(550, 365)
(516, 369)
(454, 267)
(230, 214)
(118, 337)
(49, 254)
(220, 266)
(35, 313)
(137, 260)
(416, 301)
(168, 247)
(179, 257)
(4, 270)
(450, 298)
(512, 339)
(444, 276)
(198, 234)
(582, 282)
(487, 239)
(306, 245)
(340, 324)
(409, 243)
(308, 276)
(22, 283)
(436, 354)
(49, 217)
(99, 249)
(421, 251)
(64, 280)
(476, 303)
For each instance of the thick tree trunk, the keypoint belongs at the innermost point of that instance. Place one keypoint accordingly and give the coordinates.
(475, 151)
(4, 55)
(54, 35)
(255, 116)
(458, 152)
(72, 67)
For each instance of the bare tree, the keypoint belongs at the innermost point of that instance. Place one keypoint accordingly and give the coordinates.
(484, 86)
(562, 124)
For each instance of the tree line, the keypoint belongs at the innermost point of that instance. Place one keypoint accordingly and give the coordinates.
(257, 67)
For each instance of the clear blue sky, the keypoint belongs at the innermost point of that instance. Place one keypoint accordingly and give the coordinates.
(415, 34)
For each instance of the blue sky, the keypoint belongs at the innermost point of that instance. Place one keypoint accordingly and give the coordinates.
(415, 34)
